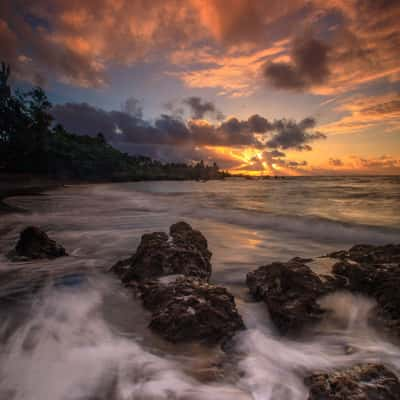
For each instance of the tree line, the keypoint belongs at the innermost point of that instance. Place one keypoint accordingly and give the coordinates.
(31, 142)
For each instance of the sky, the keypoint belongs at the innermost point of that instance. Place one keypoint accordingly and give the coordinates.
(280, 87)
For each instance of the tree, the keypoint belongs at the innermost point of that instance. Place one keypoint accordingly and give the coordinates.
(5, 90)
(25, 123)
(13, 120)
(101, 139)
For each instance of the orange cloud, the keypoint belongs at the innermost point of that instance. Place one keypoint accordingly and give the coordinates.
(241, 20)
(78, 41)
(366, 47)
(382, 165)
(233, 74)
(363, 113)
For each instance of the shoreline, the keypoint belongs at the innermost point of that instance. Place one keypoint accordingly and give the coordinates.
(22, 185)
(18, 191)
(14, 184)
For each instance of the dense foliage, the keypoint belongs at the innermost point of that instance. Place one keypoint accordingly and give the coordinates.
(29, 142)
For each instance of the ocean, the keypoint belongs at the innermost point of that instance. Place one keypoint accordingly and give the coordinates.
(70, 331)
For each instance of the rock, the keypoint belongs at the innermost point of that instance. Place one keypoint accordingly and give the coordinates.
(374, 271)
(188, 309)
(170, 274)
(122, 266)
(365, 253)
(381, 281)
(302, 260)
(34, 243)
(290, 291)
(360, 382)
(183, 251)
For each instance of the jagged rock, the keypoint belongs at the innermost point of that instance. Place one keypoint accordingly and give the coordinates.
(187, 309)
(360, 382)
(170, 273)
(374, 271)
(183, 251)
(381, 281)
(34, 243)
(290, 291)
(365, 253)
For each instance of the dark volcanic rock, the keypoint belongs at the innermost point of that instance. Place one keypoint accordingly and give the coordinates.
(374, 271)
(190, 309)
(184, 251)
(381, 281)
(170, 273)
(33, 243)
(365, 253)
(360, 382)
(290, 291)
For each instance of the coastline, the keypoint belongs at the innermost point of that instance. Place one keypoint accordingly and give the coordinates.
(14, 184)
(22, 185)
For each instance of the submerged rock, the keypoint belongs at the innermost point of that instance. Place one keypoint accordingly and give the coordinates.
(184, 251)
(187, 309)
(366, 253)
(34, 243)
(381, 281)
(373, 271)
(360, 382)
(290, 291)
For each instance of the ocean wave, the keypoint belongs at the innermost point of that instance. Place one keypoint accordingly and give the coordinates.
(317, 228)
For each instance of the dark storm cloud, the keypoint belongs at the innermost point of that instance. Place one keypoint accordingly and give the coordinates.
(122, 128)
(178, 154)
(292, 135)
(277, 153)
(284, 76)
(309, 65)
(117, 126)
(84, 119)
(258, 124)
(175, 108)
(200, 108)
(254, 124)
(272, 159)
(295, 164)
(133, 107)
(336, 162)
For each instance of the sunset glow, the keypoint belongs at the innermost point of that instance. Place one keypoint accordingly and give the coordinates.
(322, 78)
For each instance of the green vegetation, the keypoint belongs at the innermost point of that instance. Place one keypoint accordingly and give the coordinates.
(30, 143)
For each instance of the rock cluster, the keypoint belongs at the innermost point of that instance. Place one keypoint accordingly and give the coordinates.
(34, 243)
(184, 307)
(290, 291)
(171, 274)
(360, 382)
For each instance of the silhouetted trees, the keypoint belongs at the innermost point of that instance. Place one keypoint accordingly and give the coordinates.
(25, 124)
(30, 142)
